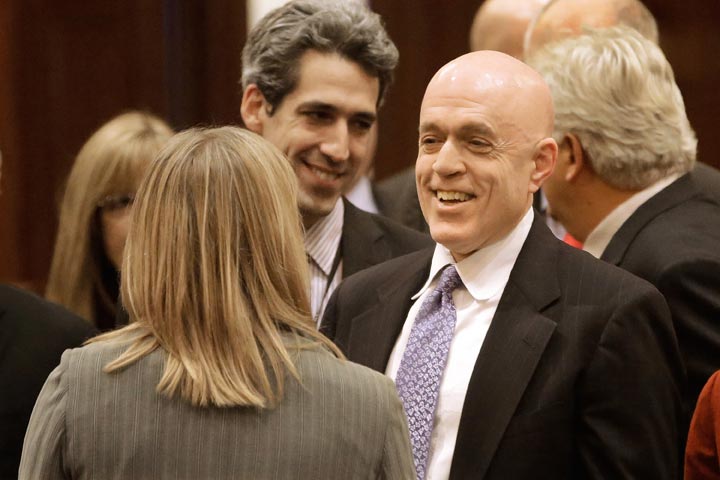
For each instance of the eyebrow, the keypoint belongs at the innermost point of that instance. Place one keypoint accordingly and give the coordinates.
(467, 129)
(330, 108)
(476, 128)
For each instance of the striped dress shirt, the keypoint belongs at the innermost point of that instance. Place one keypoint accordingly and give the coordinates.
(322, 242)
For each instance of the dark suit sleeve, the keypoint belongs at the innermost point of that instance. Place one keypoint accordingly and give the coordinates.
(630, 394)
(329, 320)
(44, 446)
(691, 290)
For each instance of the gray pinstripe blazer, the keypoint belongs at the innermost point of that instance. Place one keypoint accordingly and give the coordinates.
(343, 422)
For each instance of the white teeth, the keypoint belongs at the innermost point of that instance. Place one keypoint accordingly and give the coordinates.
(449, 196)
(324, 175)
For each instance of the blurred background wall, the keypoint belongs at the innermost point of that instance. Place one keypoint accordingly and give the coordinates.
(67, 67)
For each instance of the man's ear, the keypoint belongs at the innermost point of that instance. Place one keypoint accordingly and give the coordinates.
(546, 152)
(252, 108)
(576, 159)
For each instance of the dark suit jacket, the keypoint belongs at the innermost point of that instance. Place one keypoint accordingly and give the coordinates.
(33, 335)
(396, 198)
(369, 239)
(578, 377)
(707, 179)
(673, 241)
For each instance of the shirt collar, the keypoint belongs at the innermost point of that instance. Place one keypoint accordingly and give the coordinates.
(484, 273)
(362, 196)
(604, 231)
(323, 238)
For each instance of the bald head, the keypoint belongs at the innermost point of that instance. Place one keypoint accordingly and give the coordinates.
(500, 25)
(566, 18)
(513, 92)
(484, 149)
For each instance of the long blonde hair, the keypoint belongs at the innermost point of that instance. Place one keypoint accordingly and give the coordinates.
(215, 270)
(111, 162)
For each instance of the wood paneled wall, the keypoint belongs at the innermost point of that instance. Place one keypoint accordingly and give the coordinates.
(67, 67)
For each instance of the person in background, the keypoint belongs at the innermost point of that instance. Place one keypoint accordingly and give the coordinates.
(221, 372)
(314, 75)
(33, 335)
(560, 19)
(94, 215)
(498, 25)
(623, 184)
(515, 355)
(702, 455)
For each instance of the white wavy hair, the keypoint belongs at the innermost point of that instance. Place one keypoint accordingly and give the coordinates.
(616, 92)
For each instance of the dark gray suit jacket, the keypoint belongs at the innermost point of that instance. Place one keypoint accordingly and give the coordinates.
(343, 422)
(369, 239)
(396, 198)
(578, 376)
(33, 335)
(673, 241)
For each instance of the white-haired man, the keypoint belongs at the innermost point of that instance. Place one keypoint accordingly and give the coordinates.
(560, 19)
(622, 185)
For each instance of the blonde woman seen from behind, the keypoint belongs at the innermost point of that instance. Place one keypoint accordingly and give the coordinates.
(95, 213)
(221, 373)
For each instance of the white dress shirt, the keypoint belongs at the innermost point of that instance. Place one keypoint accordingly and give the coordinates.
(600, 237)
(484, 274)
(362, 196)
(322, 242)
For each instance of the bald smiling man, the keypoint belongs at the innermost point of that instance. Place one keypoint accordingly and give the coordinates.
(515, 355)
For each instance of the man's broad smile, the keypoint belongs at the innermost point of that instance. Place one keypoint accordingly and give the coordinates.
(325, 175)
(450, 196)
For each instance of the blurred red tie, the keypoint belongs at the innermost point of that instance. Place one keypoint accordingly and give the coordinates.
(570, 240)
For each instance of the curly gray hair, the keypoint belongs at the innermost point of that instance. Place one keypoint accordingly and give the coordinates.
(274, 47)
(615, 90)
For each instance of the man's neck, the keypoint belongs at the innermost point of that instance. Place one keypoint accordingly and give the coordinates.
(597, 205)
(309, 220)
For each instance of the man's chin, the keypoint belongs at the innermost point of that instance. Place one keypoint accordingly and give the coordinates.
(313, 209)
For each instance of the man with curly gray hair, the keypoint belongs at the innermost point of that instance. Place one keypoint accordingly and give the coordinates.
(622, 183)
(314, 75)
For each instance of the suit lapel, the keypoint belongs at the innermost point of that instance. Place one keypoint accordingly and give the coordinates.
(514, 345)
(361, 241)
(677, 192)
(376, 329)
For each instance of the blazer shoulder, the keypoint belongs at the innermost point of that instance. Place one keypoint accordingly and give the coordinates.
(389, 269)
(582, 272)
(400, 238)
(687, 233)
(406, 239)
(27, 314)
(318, 367)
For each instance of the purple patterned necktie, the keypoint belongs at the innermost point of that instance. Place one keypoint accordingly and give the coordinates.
(423, 363)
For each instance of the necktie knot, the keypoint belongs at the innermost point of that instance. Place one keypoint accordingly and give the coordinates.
(449, 280)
